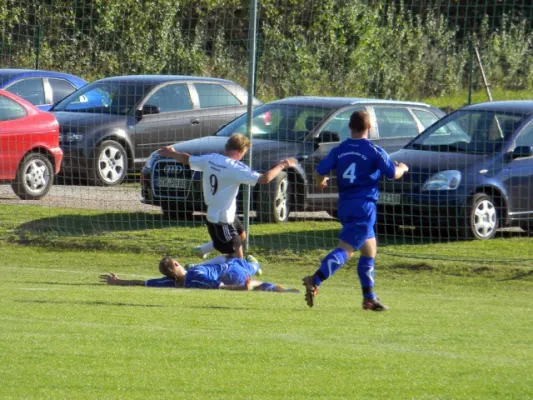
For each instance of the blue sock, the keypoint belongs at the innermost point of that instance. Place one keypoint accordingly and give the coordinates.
(330, 264)
(365, 270)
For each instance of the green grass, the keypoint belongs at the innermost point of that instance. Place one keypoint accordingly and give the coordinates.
(64, 335)
(455, 329)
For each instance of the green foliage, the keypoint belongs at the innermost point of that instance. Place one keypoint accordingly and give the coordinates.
(391, 49)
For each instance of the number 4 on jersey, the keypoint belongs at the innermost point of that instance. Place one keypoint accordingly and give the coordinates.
(349, 173)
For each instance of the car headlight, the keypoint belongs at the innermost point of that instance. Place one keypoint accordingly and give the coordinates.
(151, 160)
(445, 180)
(71, 137)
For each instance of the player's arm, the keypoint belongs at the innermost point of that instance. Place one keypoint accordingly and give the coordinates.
(168, 151)
(271, 174)
(321, 181)
(400, 169)
(391, 169)
(113, 279)
(323, 168)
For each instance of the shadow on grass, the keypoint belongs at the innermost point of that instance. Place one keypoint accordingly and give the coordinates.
(58, 283)
(292, 237)
(77, 225)
(91, 303)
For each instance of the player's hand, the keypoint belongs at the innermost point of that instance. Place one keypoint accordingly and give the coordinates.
(248, 284)
(323, 183)
(289, 162)
(403, 166)
(109, 278)
(166, 151)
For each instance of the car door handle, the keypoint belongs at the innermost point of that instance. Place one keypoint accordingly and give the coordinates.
(195, 121)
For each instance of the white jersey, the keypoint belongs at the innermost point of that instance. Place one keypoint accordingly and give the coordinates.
(221, 179)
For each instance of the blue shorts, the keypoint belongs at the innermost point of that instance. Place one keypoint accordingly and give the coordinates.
(357, 223)
(239, 270)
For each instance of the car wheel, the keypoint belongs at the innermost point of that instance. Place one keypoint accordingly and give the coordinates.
(274, 200)
(481, 219)
(35, 176)
(110, 163)
(171, 212)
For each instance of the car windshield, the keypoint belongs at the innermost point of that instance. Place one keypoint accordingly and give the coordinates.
(284, 122)
(469, 131)
(104, 98)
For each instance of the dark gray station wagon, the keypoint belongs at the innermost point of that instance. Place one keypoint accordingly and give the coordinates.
(112, 125)
(303, 127)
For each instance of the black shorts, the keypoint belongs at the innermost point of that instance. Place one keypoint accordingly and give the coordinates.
(226, 237)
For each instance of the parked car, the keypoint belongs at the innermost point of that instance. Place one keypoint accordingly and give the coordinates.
(40, 88)
(303, 127)
(112, 125)
(471, 172)
(29, 147)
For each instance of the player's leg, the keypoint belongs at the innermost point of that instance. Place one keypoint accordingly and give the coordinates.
(329, 265)
(365, 270)
(203, 250)
(226, 240)
(271, 287)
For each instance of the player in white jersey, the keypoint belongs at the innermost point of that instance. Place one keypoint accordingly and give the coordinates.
(222, 175)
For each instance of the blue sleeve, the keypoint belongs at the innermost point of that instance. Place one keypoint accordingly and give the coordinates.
(160, 282)
(327, 164)
(385, 164)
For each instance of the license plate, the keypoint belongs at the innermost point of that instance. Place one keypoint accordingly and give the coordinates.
(172, 183)
(390, 198)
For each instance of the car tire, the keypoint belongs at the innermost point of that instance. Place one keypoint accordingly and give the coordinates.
(480, 219)
(35, 176)
(110, 164)
(171, 212)
(274, 200)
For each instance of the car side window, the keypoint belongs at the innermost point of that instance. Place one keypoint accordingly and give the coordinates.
(339, 123)
(425, 117)
(169, 98)
(10, 110)
(60, 89)
(395, 122)
(214, 95)
(31, 90)
(525, 138)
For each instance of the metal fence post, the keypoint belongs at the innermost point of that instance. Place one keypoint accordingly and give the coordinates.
(252, 37)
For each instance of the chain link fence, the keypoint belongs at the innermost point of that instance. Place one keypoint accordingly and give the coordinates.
(430, 56)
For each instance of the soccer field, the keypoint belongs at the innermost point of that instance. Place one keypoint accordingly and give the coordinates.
(65, 335)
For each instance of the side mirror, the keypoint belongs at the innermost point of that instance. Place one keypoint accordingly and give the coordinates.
(522, 152)
(147, 110)
(328, 137)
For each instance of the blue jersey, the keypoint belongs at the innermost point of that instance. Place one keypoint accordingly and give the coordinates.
(359, 164)
(210, 276)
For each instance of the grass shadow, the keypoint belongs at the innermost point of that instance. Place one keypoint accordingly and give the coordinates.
(91, 303)
(75, 224)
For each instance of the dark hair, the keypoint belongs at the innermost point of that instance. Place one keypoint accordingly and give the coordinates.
(359, 121)
(166, 267)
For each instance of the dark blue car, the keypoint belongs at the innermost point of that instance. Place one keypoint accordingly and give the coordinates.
(40, 88)
(470, 172)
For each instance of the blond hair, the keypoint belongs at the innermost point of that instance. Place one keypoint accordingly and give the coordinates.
(238, 142)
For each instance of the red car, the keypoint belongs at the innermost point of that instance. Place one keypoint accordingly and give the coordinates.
(30, 155)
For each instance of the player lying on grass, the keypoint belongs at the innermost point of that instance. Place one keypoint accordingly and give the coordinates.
(233, 274)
